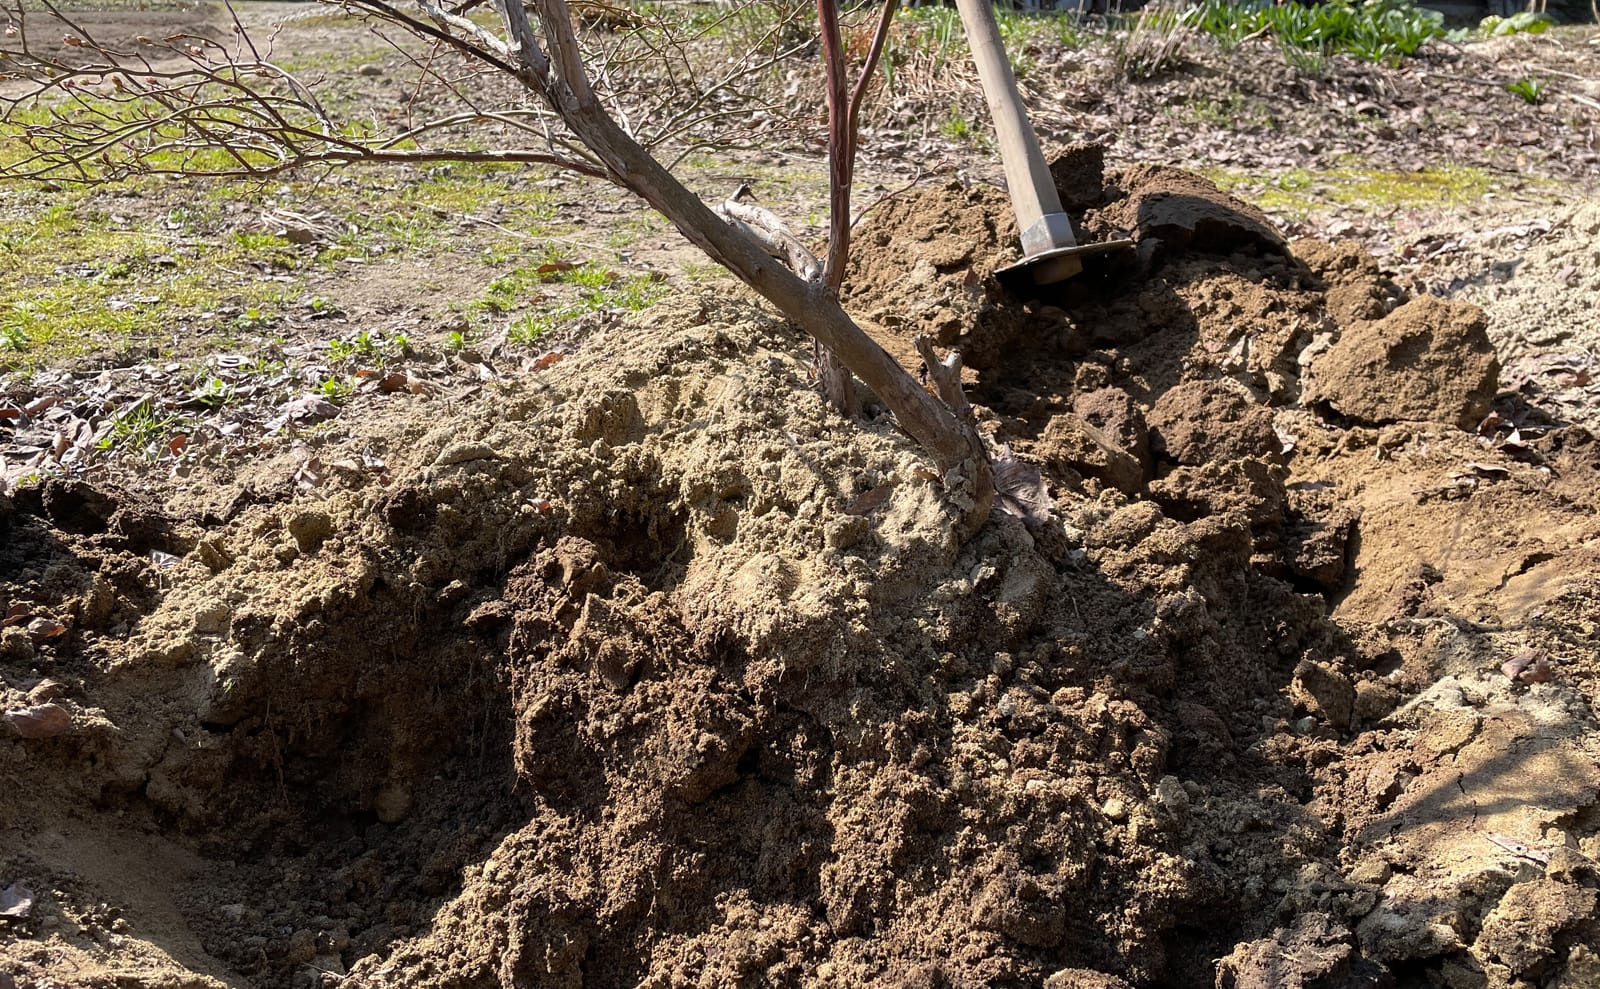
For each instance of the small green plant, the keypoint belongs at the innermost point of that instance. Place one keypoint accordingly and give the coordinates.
(13, 337)
(321, 307)
(258, 244)
(456, 340)
(214, 393)
(367, 346)
(335, 389)
(957, 126)
(1529, 88)
(141, 428)
(360, 345)
(252, 318)
(527, 329)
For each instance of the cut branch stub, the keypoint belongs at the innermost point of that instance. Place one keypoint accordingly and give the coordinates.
(769, 230)
(946, 378)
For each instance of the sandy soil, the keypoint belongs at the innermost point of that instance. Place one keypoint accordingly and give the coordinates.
(643, 668)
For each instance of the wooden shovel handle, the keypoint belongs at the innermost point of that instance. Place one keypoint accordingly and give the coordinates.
(1033, 191)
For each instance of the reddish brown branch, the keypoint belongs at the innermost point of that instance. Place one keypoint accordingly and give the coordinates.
(880, 38)
(839, 146)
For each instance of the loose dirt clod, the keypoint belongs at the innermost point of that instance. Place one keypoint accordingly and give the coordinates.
(685, 681)
(1429, 360)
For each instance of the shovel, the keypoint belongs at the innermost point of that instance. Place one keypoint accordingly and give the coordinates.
(1049, 251)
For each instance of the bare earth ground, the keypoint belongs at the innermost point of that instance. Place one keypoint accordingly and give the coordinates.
(613, 658)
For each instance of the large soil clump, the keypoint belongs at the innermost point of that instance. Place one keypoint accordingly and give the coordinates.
(651, 671)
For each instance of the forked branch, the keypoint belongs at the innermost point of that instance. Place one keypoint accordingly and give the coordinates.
(232, 113)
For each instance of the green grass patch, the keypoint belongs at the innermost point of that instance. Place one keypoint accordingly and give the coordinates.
(1298, 192)
(546, 292)
(1374, 30)
(75, 281)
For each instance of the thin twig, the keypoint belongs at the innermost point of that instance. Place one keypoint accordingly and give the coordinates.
(915, 179)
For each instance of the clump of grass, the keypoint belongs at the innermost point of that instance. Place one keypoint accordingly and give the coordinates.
(265, 248)
(1529, 88)
(143, 428)
(957, 126)
(1155, 43)
(367, 346)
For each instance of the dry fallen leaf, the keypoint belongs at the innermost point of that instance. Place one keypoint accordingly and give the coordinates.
(39, 720)
(867, 501)
(1539, 672)
(1528, 666)
(45, 629)
(309, 473)
(46, 691)
(314, 408)
(1019, 489)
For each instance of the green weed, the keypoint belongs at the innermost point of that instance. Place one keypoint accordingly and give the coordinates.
(252, 318)
(527, 329)
(214, 393)
(957, 126)
(141, 428)
(13, 337)
(265, 248)
(1529, 88)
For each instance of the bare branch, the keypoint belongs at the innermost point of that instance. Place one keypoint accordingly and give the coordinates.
(880, 37)
(686, 118)
(446, 19)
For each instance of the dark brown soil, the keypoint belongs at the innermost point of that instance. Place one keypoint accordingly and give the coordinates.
(648, 670)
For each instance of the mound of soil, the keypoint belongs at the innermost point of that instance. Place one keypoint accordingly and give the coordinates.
(650, 670)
